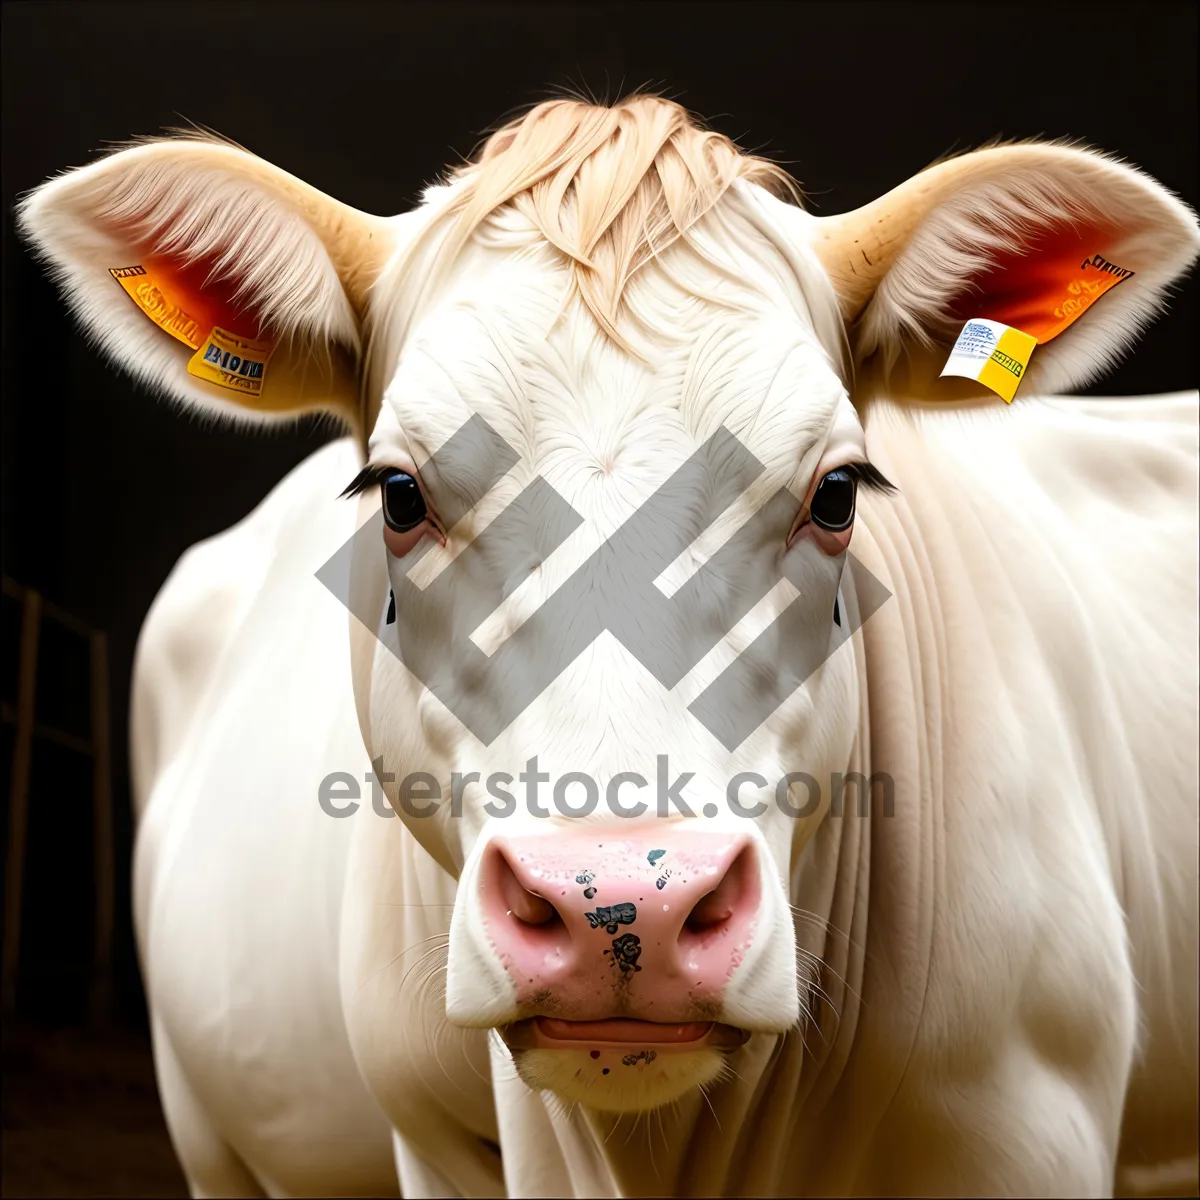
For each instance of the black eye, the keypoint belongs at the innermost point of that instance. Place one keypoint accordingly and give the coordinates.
(833, 502)
(403, 504)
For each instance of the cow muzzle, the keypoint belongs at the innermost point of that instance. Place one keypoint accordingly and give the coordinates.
(594, 927)
(622, 968)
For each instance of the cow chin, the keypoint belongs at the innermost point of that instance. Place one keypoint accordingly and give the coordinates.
(619, 1081)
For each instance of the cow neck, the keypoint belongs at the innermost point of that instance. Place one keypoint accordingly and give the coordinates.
(887, 868)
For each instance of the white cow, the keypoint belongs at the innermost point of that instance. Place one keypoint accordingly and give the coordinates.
(988, 985)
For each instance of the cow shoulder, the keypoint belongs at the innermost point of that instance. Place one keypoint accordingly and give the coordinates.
(1055, 542)
(206, 598)
(238, 873)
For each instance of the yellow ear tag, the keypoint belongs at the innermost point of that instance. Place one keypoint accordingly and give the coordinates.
(226, 359)
(993, 353)
(232, 361)
(1058, 294)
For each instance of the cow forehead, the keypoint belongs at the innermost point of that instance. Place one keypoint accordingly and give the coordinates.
(510, 345)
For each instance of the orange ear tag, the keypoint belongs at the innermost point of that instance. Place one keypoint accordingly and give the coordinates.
(997, 355)
(227, 359)
(154, 296)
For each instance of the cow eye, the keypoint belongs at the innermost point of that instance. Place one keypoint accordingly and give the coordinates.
(832, 504)
(403, 505)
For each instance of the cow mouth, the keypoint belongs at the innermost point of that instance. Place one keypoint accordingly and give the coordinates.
(621, 1034)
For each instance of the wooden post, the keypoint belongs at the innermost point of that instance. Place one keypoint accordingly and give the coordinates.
(18, 796)
(100, 995)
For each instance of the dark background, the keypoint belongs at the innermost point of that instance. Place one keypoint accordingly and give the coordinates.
(103, 488)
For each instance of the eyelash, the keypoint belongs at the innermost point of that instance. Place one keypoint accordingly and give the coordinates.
(865, 473)
(369, 476)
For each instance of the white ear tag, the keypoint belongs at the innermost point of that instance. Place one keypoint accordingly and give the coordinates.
(993, 353)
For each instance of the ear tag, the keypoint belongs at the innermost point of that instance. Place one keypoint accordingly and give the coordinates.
(232, 361)
(154, 297)
(992, 353)
(226, 359)
(1095, 276)
(997, 354)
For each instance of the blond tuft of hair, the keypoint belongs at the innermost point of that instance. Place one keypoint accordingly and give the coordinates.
(610, 187)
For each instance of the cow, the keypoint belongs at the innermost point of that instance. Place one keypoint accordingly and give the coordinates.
(893, 888)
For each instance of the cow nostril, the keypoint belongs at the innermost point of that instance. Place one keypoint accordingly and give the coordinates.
(532, 909)
(710, 911)
(716, 907)
(527, 907)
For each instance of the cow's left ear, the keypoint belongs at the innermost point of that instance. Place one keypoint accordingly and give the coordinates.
(1069, 246)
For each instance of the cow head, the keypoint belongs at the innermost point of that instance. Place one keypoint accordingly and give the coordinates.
(612, 390)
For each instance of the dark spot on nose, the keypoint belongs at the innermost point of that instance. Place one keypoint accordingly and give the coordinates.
(595, 1053)
(604, 1071)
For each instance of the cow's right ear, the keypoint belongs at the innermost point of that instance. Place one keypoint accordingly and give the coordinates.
(214, 277)
(1025, 243)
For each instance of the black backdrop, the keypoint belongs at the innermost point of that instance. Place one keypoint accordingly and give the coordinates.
(103, 488)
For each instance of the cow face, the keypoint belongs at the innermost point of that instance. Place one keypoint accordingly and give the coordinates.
(602, 602)
(622, 913)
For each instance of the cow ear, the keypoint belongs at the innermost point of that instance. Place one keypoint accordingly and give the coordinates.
(1071, 247)
(214, 277)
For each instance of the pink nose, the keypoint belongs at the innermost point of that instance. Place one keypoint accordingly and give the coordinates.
(593, 924)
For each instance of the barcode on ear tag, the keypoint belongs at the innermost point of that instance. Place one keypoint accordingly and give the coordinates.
(993, 353)
(231, 361)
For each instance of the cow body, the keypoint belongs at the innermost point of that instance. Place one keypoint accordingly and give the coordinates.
(1008, 995)
(623, 408)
